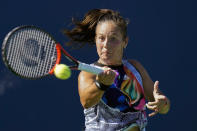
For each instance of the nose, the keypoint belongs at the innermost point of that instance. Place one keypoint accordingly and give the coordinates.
(106, 43)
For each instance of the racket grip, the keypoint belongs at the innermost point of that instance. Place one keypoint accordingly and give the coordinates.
(90, 68)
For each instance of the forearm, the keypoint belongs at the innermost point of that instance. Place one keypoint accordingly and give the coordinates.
(92, 87)
(91, 96)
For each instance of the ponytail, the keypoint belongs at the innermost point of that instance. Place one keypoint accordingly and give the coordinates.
(84, 31)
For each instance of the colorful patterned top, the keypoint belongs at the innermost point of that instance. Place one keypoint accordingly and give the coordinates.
(121, 105)
(127, 93)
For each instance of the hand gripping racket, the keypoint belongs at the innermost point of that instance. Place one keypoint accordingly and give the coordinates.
(32, 53)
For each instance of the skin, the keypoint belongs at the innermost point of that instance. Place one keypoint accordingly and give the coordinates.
(133, 128)
(110, 45)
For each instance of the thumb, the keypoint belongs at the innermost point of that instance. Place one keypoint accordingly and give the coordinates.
(156, 87)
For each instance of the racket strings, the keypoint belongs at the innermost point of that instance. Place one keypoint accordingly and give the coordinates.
(30, 52)
(14, 57)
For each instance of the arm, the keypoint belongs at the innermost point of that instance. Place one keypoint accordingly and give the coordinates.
(89, 93)
(157, 100)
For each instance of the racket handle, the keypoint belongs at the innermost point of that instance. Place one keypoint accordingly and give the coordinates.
(90, 68)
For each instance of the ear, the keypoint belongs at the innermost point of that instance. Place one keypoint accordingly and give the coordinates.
(126, 42)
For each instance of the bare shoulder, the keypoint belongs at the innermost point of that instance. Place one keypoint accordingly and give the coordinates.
(140, 68)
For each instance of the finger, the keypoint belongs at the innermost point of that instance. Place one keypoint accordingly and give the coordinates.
(100, 75)
(107, 77)
(110, 72)
(152, 114)
(106, 68)
(156, 87)
(105, 71)
(161, 97)
(152, 103)
(151, 107)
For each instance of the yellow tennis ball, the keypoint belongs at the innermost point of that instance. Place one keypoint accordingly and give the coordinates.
(62, 71)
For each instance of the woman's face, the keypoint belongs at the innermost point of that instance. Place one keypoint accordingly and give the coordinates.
(109, 43)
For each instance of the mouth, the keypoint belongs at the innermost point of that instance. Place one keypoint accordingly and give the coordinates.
(106, 52)
(106, 55)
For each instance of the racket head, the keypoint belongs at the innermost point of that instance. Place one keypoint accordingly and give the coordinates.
(29, 52)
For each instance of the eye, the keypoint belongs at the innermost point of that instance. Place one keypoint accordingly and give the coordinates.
(101, 38)
(113, 38)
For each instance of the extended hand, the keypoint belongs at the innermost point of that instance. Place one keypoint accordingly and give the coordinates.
(160, 101)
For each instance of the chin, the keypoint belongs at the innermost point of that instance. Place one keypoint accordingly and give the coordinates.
(107, 62)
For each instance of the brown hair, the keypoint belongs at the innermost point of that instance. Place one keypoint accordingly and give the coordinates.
(84, 31)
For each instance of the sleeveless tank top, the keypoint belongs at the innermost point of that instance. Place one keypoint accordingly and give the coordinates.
(121, 105)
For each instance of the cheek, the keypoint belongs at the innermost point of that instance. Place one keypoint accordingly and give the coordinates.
(99, 48)
(116, 46)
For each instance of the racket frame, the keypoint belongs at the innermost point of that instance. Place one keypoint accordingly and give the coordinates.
(4, 53)
(61, 50)
(77, 64)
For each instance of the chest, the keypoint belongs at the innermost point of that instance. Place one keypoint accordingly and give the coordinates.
(126, 92)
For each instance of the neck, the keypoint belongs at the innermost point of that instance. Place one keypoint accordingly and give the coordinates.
(109, 63)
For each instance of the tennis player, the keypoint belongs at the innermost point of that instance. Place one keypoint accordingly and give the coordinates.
(114, 102)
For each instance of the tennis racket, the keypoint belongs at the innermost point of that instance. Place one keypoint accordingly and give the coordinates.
(32, 53)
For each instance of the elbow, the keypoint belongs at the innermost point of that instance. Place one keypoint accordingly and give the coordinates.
(86, 103)
(86, 106)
